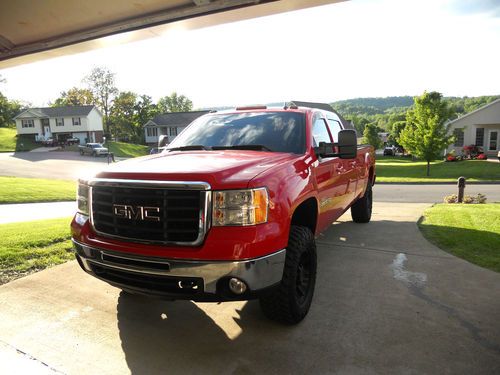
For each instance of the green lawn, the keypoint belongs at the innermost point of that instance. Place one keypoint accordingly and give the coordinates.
(399, 169)
(9, 142)
(32, 246)
(469, 231)
(127, 150)
(25, 190)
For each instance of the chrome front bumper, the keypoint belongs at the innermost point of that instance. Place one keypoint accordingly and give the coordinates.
(257, 273)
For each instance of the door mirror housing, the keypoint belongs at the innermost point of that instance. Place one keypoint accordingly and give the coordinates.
(162, 140)
(348, 144)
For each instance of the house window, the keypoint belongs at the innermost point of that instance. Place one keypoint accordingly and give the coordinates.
(493, 141)
(76, 121)
(459, 137)
(479, 136)
(27, 123)
(152, 132)
(60, 122)
(173, 131)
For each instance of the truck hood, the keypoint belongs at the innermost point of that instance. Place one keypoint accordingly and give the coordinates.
(226, 169)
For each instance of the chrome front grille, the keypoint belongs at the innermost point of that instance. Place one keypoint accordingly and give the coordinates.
(151, 211)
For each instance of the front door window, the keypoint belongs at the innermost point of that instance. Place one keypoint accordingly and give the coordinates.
(493, 141)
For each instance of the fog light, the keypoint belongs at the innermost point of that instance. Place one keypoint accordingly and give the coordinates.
(237, 286)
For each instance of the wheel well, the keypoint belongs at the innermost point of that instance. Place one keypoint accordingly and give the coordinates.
(306, 214)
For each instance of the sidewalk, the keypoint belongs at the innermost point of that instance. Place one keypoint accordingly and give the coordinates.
(14, 213)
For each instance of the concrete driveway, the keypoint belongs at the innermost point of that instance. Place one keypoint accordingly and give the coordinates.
(386, 302)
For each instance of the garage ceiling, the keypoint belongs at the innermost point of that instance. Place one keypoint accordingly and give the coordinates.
(34, 30)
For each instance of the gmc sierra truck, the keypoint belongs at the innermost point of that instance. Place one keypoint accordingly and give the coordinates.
(229, 210)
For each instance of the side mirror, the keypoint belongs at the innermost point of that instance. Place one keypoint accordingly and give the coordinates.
(347, 144)
(162, 141)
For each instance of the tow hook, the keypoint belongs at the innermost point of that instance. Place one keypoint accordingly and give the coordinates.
(187, 285)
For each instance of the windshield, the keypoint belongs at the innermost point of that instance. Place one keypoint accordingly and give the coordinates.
(267, 131)
(95, 145)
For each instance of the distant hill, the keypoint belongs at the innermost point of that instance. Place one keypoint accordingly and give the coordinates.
(385, 111)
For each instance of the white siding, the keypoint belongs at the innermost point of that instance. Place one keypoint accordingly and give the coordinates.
(36, 130)
(487, 117)
(94, 119)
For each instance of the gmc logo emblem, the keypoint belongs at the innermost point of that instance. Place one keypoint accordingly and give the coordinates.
(125, 211)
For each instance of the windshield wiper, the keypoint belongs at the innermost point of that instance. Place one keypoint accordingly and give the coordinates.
(189, 148)
(243, 147)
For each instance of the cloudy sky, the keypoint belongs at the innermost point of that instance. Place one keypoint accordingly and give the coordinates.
(358, 48)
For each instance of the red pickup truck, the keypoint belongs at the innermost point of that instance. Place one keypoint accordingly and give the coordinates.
(229, 211)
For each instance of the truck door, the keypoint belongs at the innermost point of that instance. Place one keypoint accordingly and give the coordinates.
(328, 176)
(349, 173)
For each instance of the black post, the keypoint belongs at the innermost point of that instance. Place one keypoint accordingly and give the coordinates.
(461, 188)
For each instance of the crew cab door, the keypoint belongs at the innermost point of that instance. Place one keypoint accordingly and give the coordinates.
(328, 176)
(349, 170)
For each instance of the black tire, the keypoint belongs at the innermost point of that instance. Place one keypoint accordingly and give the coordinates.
(289, 303)
(81, 152)
(94, 154)
(361, 211)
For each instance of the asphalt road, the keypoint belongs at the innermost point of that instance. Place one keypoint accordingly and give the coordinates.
(421, 193)
(386, 302)
(70, 166)
(61, 165)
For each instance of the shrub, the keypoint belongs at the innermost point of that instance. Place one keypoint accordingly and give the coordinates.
(451, 199)
(468, 199)
(479, 199)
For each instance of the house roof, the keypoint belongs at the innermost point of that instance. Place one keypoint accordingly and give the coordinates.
(475, 111)
(67, 111)
(175, 118)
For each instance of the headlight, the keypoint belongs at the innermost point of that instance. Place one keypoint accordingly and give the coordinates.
(240, 207)
(82, 197)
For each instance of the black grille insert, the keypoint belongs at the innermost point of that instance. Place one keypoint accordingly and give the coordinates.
(179, 213)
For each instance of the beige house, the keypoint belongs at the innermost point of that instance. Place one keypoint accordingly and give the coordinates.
(61, 123)
(480, 127)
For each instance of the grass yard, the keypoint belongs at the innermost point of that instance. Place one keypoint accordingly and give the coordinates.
(399, 169)
(32, 246)
(28, 190)
(127, 150)
(469, 231)
(9, 142)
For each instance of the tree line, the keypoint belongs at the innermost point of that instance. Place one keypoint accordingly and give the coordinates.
(124, 112)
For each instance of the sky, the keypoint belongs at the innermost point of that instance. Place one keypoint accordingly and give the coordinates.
(357, 48)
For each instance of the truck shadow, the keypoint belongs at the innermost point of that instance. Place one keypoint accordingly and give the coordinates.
(161, 337)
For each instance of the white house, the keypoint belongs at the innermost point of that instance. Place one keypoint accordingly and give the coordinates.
(82, 122)
(480, 127)
(169, 124)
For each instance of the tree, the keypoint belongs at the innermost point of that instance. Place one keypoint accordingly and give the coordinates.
(75, 96)
(122, 114)
(174, 103)
(396, 129)
(8, 109)
(425, 135)
(101, 82)
(371, 137)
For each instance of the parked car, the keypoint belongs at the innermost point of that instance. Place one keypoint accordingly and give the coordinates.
(50, 142)
(227, 212)
(498, 155)
(72, 141)
(94, 149)
(390, 150)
